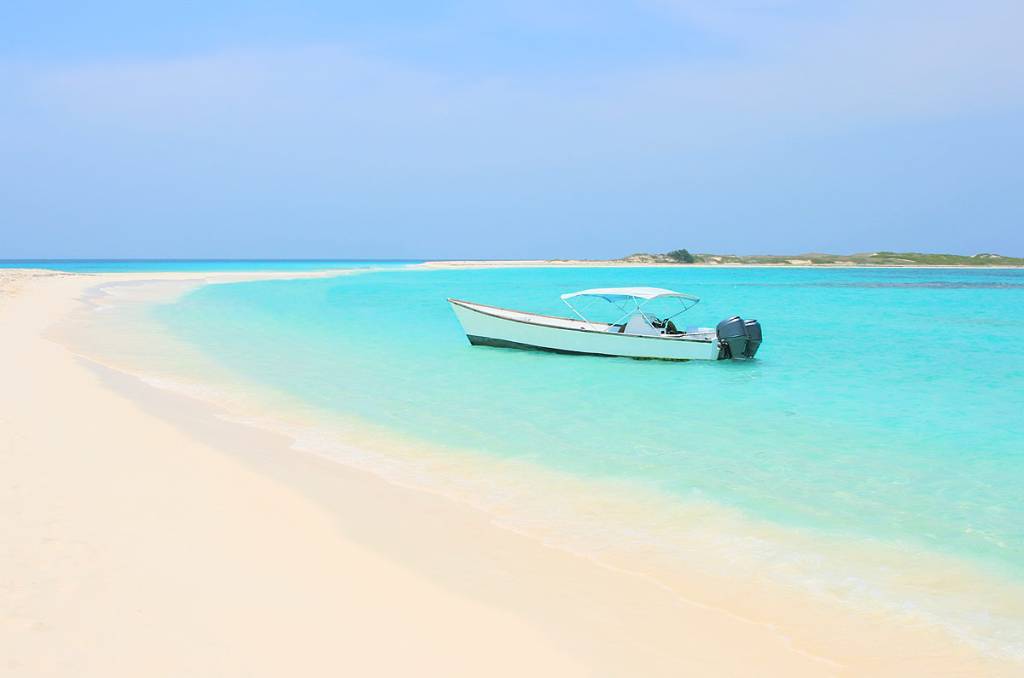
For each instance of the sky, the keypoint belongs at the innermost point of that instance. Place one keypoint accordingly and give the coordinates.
(420, 129)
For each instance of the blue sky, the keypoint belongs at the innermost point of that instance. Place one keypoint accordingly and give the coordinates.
(526, 129)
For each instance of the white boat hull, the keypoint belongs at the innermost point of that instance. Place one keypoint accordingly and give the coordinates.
(492, 326)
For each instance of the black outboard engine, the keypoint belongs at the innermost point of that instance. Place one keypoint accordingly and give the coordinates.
(732, 337)
(738, 338)
(753, 329)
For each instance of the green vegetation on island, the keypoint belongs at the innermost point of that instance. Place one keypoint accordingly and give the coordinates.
(818, 259)
(681, 256)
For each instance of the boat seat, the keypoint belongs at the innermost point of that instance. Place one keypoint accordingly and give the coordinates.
(637, 324)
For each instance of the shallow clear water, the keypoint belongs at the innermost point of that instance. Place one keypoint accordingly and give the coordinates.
(885, 403)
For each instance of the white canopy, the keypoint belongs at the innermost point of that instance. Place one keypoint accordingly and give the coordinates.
(621, 293)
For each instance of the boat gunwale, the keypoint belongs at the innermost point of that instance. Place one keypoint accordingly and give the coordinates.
(469, 305)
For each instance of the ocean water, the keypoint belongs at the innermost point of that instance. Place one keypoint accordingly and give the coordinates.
(883, 418)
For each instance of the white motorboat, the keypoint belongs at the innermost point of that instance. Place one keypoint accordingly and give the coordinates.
(637, 333)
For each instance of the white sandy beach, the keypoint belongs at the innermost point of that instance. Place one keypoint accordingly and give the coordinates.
(143, 535)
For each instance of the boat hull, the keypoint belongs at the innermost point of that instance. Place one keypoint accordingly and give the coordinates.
(491, 326)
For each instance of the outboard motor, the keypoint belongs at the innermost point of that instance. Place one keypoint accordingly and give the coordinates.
(732, 337)
(753, 329)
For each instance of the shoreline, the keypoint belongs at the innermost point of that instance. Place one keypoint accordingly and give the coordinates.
(522, 593)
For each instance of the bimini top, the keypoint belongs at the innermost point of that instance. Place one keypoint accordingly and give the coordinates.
(621, 293)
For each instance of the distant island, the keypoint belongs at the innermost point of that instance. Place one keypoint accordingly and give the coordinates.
(811, 259)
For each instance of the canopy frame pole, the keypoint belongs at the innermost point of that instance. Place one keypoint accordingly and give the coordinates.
(622, 310)
(684, 309)
(578, 314)
(636, 307)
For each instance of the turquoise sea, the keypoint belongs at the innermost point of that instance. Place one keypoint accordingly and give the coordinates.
(885, 410)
